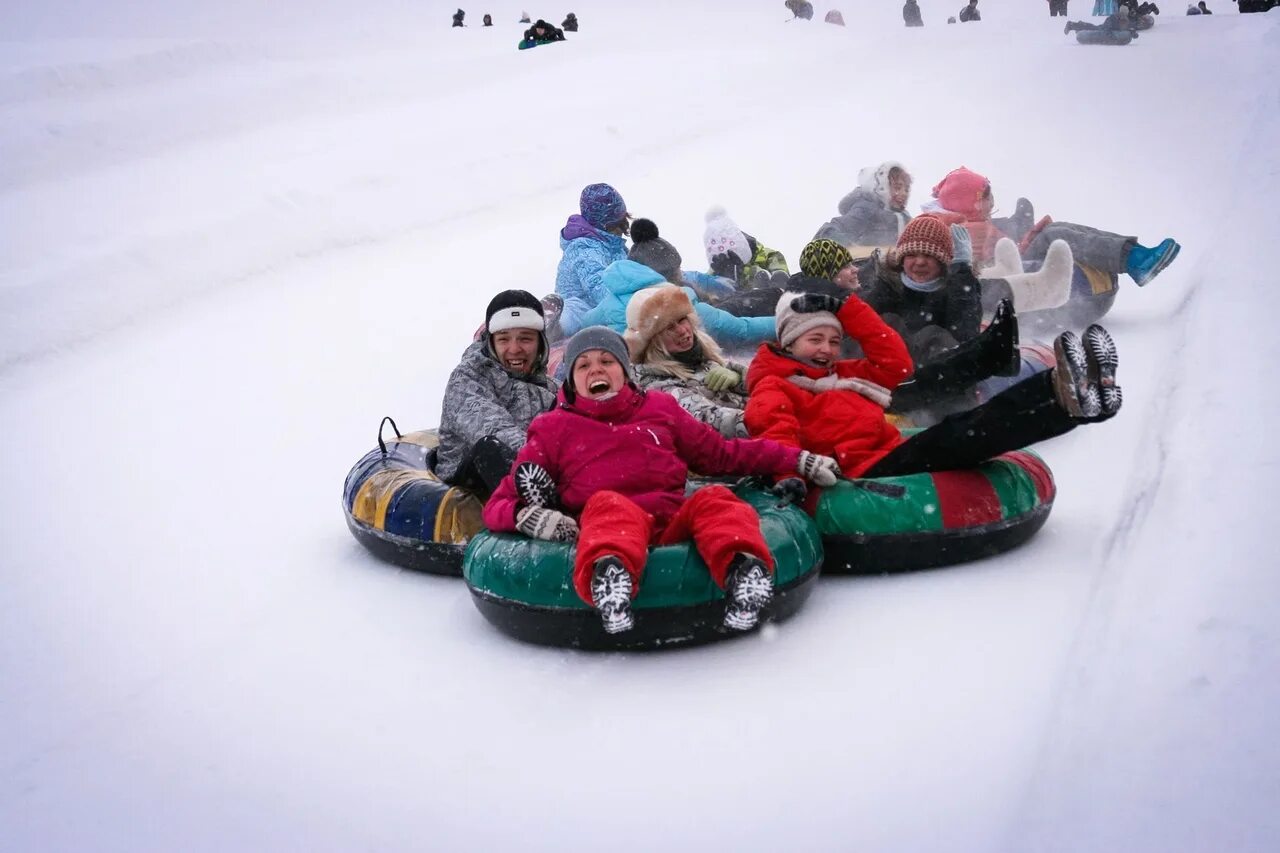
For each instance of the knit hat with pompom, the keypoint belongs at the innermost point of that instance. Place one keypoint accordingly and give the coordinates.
(654, 252)
(723, 235)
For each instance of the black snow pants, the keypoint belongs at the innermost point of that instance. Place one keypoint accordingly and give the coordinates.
(1026, 413)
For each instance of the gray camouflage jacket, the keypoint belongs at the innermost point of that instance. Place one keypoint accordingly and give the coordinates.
(721, 411)
(481, 399)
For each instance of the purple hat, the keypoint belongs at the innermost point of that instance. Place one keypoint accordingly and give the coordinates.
(602, 206)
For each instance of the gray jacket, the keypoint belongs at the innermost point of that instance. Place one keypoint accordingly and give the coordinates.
(864, 220)
(721, 411)
(482, 399)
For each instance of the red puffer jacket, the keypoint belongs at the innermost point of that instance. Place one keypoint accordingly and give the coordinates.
(838, 422)
(639, 444)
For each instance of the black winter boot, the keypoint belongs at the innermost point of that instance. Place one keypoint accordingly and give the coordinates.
(611, 589)
(1102, 359)
(1077, 396)
(747, 589)
(994, 352)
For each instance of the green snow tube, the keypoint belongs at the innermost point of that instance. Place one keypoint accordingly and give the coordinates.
(921, 521)
(524, 587)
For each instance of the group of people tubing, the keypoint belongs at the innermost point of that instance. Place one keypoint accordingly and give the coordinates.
(884, 319)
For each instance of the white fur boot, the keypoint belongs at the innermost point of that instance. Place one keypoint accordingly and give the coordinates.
(1048, 287)
(1005, 262)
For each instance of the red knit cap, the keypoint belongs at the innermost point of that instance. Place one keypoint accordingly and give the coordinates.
(960, 190)
(925, 235)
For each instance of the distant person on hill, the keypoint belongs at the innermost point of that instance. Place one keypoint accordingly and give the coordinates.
(524, 18)
(800, 9)
(834, 17)
(1137, 10)
(1057, 7)
(911, 14)
(488, 20)
(570, 24)
(970, 12)
(541, 33)
(1116, 21)
(592, 239)
(1204, 9)
(457, 18)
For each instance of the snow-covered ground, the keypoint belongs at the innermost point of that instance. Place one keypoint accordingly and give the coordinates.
(235, 237)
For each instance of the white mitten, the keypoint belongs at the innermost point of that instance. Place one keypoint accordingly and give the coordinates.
(550, 525)
(820, 470)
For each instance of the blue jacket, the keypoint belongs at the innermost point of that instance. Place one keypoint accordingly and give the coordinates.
(624, 278)
(587, 251)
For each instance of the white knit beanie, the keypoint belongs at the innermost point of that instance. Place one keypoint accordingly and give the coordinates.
(722, 235)
(792, 323)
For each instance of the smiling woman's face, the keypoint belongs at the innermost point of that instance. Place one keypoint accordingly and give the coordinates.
(596, 374)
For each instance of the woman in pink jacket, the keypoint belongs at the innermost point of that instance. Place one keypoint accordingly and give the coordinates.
(607, 467)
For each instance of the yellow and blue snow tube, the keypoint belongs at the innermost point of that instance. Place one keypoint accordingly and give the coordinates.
(400, 510)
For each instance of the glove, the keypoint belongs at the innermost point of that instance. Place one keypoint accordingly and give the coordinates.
(819, 470)
(727, 264)
(762, 278)
(963, 244)
(721, 378)
(535, 487)
(790, 490)
(810, 303)
(550, 525)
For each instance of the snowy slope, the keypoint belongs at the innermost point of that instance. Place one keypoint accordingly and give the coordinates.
(235, 237)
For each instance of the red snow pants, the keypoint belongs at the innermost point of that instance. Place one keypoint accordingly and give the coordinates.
(719, 522)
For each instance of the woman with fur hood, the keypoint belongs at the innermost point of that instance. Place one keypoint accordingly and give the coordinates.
(874, 213)
(672, 352)
(623, 279)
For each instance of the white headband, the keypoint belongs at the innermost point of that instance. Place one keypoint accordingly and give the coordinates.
(518, 317)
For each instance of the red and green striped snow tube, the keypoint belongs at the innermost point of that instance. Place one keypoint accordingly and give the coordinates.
(398, 508)
(523, 586)
(921, 521)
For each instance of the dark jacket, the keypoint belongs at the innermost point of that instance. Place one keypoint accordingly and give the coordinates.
(911, 14)
(970, 13)
(955, 307)
(570, 23)
(549, 34)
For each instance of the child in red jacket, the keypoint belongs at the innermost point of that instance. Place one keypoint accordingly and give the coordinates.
(618, 458)
(802, 394)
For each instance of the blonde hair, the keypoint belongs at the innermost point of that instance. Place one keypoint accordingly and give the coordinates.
(659, 358)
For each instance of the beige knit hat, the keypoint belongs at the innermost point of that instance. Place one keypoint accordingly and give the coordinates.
(792, 323)
(652, 310)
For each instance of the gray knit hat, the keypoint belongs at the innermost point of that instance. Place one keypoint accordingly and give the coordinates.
(596, 337)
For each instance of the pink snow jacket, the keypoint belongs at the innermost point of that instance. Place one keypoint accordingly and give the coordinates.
(639, 444)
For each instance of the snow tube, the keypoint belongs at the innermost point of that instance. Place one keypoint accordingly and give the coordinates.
(399, 509)
(523, 586)
(1116, 37)
(921, 521)
(1093, 292)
